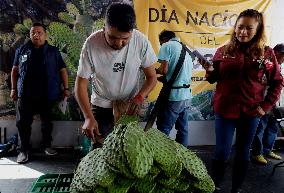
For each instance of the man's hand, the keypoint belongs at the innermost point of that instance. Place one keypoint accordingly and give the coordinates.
(13, 94)
(91, 130)
(135, 105)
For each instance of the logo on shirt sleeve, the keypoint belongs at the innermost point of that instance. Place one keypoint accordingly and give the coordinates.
(117, 67)
(24, 58)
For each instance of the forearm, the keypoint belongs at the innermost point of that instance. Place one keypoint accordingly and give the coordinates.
(147, 87)
(163, 69)
(64, 77)
(81, 94)
(14, 75)
(150, 81)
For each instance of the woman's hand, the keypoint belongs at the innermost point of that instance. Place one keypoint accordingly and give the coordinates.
(260, 111)
(207, 66)
(257, 112)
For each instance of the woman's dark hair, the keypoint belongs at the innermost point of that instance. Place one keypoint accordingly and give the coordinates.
(166, 35)
(256, 45)
(121, 16)
(39, 24)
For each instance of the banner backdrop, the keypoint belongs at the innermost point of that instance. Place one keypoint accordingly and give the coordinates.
(201, 24)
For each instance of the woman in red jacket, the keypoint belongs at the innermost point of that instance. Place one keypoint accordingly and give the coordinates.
(243, 69)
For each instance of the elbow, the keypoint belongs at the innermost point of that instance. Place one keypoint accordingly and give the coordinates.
(76, 88)
(154, 80)
(151, 81)
(164, 70)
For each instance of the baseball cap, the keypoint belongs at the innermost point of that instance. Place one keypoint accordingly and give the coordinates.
(279, 48)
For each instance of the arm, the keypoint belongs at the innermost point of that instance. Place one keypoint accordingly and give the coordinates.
(14, 77)
(148, 58)
(148, 85)
(81, 94)
(64, 78)
(150, 81)
(163, 69)
(213, 74)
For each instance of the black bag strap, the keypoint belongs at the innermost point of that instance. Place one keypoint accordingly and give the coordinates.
(178, 65)
(166, 89)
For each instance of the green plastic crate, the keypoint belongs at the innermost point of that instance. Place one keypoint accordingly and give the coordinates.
(52, 183)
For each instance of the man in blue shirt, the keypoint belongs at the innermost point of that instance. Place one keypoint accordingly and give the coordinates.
(176, 110)
(38, 77)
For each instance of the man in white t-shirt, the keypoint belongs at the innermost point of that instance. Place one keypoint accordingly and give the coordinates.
(112, 59)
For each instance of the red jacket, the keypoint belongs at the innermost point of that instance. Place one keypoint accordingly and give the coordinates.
(242, 82)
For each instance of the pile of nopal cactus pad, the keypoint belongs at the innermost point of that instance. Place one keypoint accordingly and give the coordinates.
(133, 161)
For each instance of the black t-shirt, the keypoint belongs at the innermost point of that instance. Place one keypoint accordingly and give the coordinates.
(35, 83)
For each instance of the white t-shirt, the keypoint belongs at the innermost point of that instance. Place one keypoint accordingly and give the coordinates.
(115, 74)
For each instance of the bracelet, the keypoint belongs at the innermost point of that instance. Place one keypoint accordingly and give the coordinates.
(138, 99)
(66, 89)
(13, 89)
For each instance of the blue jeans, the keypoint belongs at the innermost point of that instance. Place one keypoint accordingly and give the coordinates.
(224, 130)
(175, 113)
(265, 135)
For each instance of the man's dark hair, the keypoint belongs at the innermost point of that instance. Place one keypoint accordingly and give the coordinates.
(279, 48)
(121, 16)
(39, 24)
(166, 35)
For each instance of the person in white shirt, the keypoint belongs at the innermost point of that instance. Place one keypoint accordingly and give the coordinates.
(113, 59)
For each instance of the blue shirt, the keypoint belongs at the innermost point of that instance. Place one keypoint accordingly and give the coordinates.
(170, 52)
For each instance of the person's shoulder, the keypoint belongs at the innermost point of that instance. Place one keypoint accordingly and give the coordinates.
(174, 42)
(52, 48)
(170, 45)
(139, 36)
(138, 33)
(221, 48)
(139, 39)
(20, 48)
(24, 46)
(219, 53)
(95, 36)
(95, 40)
